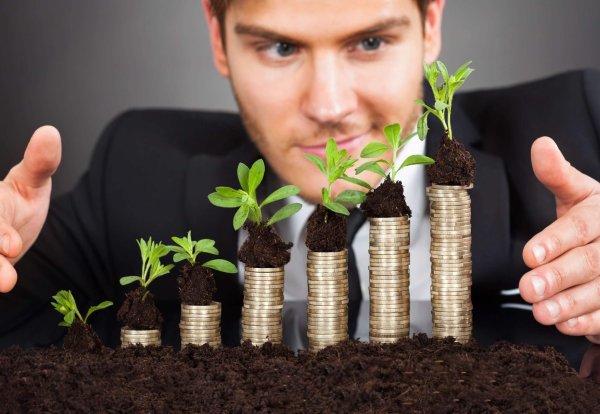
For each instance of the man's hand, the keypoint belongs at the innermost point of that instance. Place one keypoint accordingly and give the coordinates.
(564, 283)
(24, 200)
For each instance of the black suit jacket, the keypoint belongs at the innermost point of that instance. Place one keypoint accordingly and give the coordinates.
(153, 169)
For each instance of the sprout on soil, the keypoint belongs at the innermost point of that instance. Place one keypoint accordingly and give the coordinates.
(152, 268)
(245, 199)
(393, 135)
(187, 249)
(443, 94)
(336, 163)
(66, 306)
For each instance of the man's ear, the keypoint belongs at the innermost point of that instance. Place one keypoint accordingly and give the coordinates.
(433, 30)
(216, 40)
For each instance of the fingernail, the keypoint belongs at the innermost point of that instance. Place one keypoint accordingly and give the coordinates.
(539, 253)
(552, 308)
(572, 322)
(539, 285)
(5, 243)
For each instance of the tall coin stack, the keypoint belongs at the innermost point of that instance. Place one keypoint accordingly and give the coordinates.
(451, 266)
(389, 279)
(200, 325)
(145, 337)
(327, 298)
(263, 305)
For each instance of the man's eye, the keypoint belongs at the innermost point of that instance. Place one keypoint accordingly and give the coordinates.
(280, 49)
(371, 43)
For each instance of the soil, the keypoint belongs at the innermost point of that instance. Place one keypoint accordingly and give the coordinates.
(412, 376)
(196, 285)
(454, 165)
(387, 200)
(81, 338)
(264, 247)
(136, 313)
(326, 231)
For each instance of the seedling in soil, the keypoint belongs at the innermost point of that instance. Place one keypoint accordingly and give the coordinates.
(152, 268)
(66, 306)
(393, 135)
(245, 200)
(336, 163)
(443, 94)
(187, 249)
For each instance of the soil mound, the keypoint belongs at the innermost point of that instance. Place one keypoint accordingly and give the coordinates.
(196, 285)
(326, 231)
(264, 248)
(387, 200)
(454, 165)
(139, 310)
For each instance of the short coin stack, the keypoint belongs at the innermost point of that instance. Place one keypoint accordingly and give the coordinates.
(263, 305)
(145, 337)
(200, 325)
(327, 298)
(451, 266)
(389, 279)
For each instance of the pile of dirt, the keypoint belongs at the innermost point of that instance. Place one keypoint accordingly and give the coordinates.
(419, 375)
(387, 200)
(454, 165)
(326, 231)
(264, 248)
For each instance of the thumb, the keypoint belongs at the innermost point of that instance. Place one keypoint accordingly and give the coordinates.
(568, 184)
(41, 159)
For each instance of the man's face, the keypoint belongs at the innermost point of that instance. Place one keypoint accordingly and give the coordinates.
(306, 70)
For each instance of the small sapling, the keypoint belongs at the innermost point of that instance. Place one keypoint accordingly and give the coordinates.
(152, 268)
(65, 305)
(336, 163)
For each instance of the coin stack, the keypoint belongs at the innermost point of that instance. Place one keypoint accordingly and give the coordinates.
(263, 305)
(200, 325)
(452, 309)
(145, 337)
(327, 298)
(389, 278)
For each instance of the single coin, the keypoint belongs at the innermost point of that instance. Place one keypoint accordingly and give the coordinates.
(264, 269)
(401, 219)
(315, 254)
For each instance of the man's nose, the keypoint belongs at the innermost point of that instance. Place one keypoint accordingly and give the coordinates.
(330, 95)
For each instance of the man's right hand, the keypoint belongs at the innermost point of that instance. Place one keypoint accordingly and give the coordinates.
(24, 200)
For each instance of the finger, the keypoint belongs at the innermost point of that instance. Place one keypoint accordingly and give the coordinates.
(40, 161)
(8, 275)
(587, 324)
(11, 243)
(568, 185)
(578, 227)
(576, 267)
(568, 304)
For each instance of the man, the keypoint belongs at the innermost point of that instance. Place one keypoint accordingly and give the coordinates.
(303, 71)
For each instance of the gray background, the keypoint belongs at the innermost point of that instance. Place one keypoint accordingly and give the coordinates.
(77, 63)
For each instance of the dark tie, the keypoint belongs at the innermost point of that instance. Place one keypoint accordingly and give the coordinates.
(355, 221)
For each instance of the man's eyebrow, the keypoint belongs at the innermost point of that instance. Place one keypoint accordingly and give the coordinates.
(257, 31)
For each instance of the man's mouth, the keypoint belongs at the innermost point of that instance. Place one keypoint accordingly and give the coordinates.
(349, 144)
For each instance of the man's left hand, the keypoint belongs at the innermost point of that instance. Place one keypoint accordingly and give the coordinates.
(564, 283)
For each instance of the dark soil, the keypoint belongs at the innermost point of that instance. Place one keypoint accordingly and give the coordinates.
(264, 248)
(387, 200)
(136, 313)
(196, 285)
(413, 376)
(454, 165)
(326, 231)
(81, 338)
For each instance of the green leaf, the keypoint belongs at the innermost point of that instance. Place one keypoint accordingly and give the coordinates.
(126, 280)
(280, 194)
(178, 257)
(256, 175)
(221, 265)
(356, 181)
(353, 197)
(69, 317)
(221, 201)
(393, 133)
(317, 161)
(440, 106)
(423, 104)
(422, 127)
(416, 160)
(284, 212)
(99, 306)
(374, 150)
(463, 71)
(240, 217)
(331, 153)
(204, 245)
(443, 70)
(228, 192)
(337, 208)
(325, 195)
(372, 166)
(65, 324)
(242, 172)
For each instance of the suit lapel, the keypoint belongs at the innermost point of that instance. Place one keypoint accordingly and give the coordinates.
(490, 209)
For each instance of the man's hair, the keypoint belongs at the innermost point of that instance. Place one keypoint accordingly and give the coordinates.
(219, 7)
